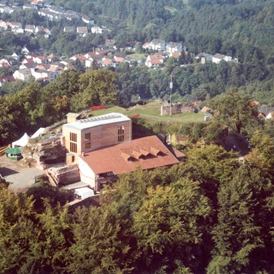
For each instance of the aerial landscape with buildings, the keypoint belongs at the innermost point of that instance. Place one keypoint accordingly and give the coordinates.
(136, 136)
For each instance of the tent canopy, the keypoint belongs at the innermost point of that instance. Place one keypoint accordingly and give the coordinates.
(22, 141)
(13, 150)
(41, 130)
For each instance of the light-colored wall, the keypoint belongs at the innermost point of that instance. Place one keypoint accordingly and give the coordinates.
(100, 135)
(86, 173)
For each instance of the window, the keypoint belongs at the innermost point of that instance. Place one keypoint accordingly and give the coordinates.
(73, 137)
(121, 134)
(87, 140)
(73, 142)
(73, 147)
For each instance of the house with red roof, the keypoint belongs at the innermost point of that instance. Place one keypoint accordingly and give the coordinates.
(101, 166)
(80, 57)
(154, 60)
(103, 148)
(82, 30)
(40, 59)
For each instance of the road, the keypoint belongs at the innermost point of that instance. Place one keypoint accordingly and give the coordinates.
(20, 177)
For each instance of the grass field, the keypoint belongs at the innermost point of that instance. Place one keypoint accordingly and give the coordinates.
(137, 56)
(151, 111)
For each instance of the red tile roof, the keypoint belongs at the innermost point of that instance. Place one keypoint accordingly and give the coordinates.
(176, 54)
(145, 153)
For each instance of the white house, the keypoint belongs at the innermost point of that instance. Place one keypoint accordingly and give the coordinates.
(157, 44)
(88, 20)
(40, 59)
(97, 29)
(39, 73)
(174, 47)
(19, 30)
(30, 28)
(22, 74)
(15, 56)
(217, 58)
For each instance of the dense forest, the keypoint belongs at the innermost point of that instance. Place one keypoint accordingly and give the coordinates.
(210, 214)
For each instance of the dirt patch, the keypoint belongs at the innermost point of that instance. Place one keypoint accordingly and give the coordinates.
(5, 162)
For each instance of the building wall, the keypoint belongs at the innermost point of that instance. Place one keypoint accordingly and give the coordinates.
(102, 135)
(176, 108)
(86, 174)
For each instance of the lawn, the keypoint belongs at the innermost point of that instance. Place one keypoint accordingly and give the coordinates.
(137, 56)
(151, 111)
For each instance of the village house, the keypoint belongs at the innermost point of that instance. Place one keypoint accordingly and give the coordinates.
(79, 57)
(107, 62)
(88, 20)
(97, 29)
(30, 28)
(53, 72)
(15, 56)
(217, 58)
(158, 45)
(14, 25)
(22, 74)
(82, 30)
(24, 51)
(40, 59)
(29, 7)
(154, 60)
(174, 47)
(27, 65)
(39, 74)
(119, 59)
(53, 57)
(90, 61)
(204, 57)
(27, 60)
(4, 63)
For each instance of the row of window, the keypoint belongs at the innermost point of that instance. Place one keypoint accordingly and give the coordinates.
(73, 139)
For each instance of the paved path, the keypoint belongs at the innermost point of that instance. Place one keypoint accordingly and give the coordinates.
(20, 177)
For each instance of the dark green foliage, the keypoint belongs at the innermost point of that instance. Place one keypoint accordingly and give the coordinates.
(210, 214)
(34, 106)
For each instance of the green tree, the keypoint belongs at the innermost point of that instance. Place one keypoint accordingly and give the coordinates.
(238, 235)
(96, 87)
(235, 111)
(168, 226)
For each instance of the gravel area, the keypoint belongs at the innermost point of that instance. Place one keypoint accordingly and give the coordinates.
(20, 176)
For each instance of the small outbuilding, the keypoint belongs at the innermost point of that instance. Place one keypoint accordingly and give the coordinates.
(14, 153)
